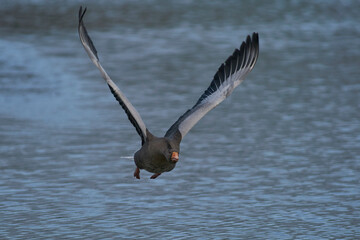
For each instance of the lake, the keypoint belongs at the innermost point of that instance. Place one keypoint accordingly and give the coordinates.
(278, 159)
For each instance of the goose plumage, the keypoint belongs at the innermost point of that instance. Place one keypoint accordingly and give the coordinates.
(160, 154)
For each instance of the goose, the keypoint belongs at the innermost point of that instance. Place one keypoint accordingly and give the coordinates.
(160, 154)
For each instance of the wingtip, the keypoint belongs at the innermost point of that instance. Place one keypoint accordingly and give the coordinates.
(256, 42)
(255, 37)
(247, 48)
(255, 48)
(84, 37)
(81, 13)
(248, 40)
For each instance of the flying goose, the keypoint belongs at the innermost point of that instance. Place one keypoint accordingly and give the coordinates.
(160, 154)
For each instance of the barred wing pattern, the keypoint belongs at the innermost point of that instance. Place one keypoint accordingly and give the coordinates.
(129, 109)
(226, 79)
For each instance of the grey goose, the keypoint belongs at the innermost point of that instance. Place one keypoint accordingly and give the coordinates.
(160, 154)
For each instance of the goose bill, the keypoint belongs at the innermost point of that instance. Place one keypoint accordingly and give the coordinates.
(175, 156)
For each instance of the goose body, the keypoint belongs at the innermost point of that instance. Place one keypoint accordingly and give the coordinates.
(160, 154)
(157, 155)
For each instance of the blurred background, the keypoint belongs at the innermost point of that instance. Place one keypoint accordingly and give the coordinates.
(279, 159)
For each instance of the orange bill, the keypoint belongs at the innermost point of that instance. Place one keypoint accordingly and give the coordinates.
(175, 156)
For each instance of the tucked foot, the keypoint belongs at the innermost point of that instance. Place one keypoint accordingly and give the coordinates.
(155, 175)
(137, 173)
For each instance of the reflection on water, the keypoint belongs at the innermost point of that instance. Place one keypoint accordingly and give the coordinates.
(279, 158)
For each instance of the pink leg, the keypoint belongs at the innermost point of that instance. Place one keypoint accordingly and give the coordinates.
(155, 175)
(137, 173)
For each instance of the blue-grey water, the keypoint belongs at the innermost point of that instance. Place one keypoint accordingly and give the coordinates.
(279, 159)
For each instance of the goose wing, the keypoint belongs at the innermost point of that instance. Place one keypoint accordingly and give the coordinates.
(129, 109)
(229, 75)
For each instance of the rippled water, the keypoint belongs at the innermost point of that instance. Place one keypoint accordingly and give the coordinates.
(279, 159)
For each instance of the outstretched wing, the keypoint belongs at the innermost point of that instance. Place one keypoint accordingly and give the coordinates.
(226, 79)
(131, 112)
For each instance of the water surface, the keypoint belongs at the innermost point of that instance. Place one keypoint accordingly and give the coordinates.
(279, 159)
